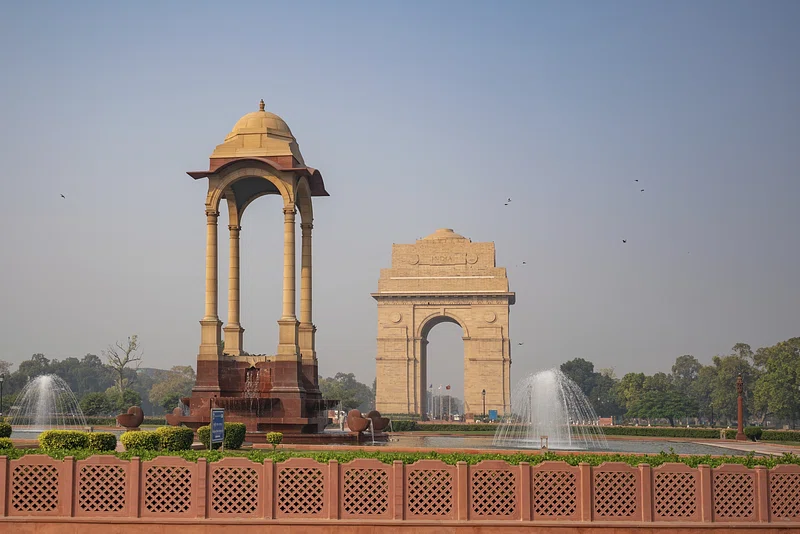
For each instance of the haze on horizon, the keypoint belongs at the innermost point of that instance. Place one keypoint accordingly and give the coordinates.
(419, 116)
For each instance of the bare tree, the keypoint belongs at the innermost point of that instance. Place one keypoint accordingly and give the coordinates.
(120, 356)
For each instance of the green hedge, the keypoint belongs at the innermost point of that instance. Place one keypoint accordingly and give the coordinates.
(404, 426)
(344, 456)
(753, 433)
(51, 440)
(234, 436)
(5, 444)
(667, 432)
(140, 440)
(112, 421)
(175, 438)
(410, 426)
(5, 430)
(401, 416)
(102, 441)
(780, 435)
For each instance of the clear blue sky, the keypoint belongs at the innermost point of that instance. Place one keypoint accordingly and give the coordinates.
(420, 115)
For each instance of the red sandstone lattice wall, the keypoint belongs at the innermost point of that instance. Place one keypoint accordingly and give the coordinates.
(368, 490)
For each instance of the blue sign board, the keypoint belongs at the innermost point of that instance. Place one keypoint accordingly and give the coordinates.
(217, 425)
(492, 415)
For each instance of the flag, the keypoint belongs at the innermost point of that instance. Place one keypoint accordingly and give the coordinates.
(430, 387)
(440, 387)
(448, 386)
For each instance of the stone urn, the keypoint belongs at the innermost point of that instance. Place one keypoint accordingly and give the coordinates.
(132, 419)
(378, 423)
(173, 419)
(356, 422)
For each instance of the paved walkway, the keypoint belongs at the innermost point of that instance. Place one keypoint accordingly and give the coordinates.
(761, 447)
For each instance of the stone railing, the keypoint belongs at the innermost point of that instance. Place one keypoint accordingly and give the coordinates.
(168, 488)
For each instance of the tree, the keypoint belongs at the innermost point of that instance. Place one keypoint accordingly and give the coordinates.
(581, 372)
(96, 403)
(684, 372)
(120, 356)
(345, 388)
(630, 390)
(5, 367)
(701, 392)
(724, 395)
(777, 390)
(603, 396)
(37, 365)
(121, 402)
(168, 391)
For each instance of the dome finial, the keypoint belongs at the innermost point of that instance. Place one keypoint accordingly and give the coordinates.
(261, 105)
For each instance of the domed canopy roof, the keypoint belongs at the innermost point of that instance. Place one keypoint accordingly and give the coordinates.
(259, 134)
(445, 233)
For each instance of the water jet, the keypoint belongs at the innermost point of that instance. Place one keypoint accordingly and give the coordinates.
(549, 410)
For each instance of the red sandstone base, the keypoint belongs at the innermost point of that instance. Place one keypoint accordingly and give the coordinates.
(266, 397)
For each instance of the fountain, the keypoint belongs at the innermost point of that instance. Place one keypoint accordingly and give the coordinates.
(46, 403)
(548, 407)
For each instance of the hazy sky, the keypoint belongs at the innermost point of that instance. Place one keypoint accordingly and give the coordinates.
(420, 115)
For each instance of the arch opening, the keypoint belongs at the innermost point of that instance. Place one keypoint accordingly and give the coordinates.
(442, 354)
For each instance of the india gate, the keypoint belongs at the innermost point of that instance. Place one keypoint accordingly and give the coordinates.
(444, 277)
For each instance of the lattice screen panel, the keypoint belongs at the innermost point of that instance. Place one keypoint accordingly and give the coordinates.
(555, 493)
(615, 494)
(34, 488)
(784, 495)
(301, 491)
(430, 492)
(365, 492)
(734, 496)
(101, 488)
(234, 490)
(494, 493)
(675, 495)
(167, 489)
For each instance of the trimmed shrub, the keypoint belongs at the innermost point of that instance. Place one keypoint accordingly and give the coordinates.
(404, 426)
(753, 433)
(5, 444)
(455, 427)
(140, 440)
(112, 421)
(52, 440)
(274, 439)
(402, 416)
(668, 432)
(102, 441)
(234, 436)
(175, 438)
(5, 430)
(780, 435)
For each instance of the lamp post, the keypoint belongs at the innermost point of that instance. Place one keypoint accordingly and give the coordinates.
(740, 436)
(483, 394)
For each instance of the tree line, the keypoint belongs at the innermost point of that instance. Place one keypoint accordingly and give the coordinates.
(107, 386)
(701, 394)
(690, 393)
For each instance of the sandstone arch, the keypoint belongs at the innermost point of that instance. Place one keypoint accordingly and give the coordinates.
(443, 277)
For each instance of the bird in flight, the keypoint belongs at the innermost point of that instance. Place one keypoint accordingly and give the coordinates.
(507, 201)
(521, 343)
(636, 180)
(62, 195)
(624, 240)
(524, 262)
(642, 190)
